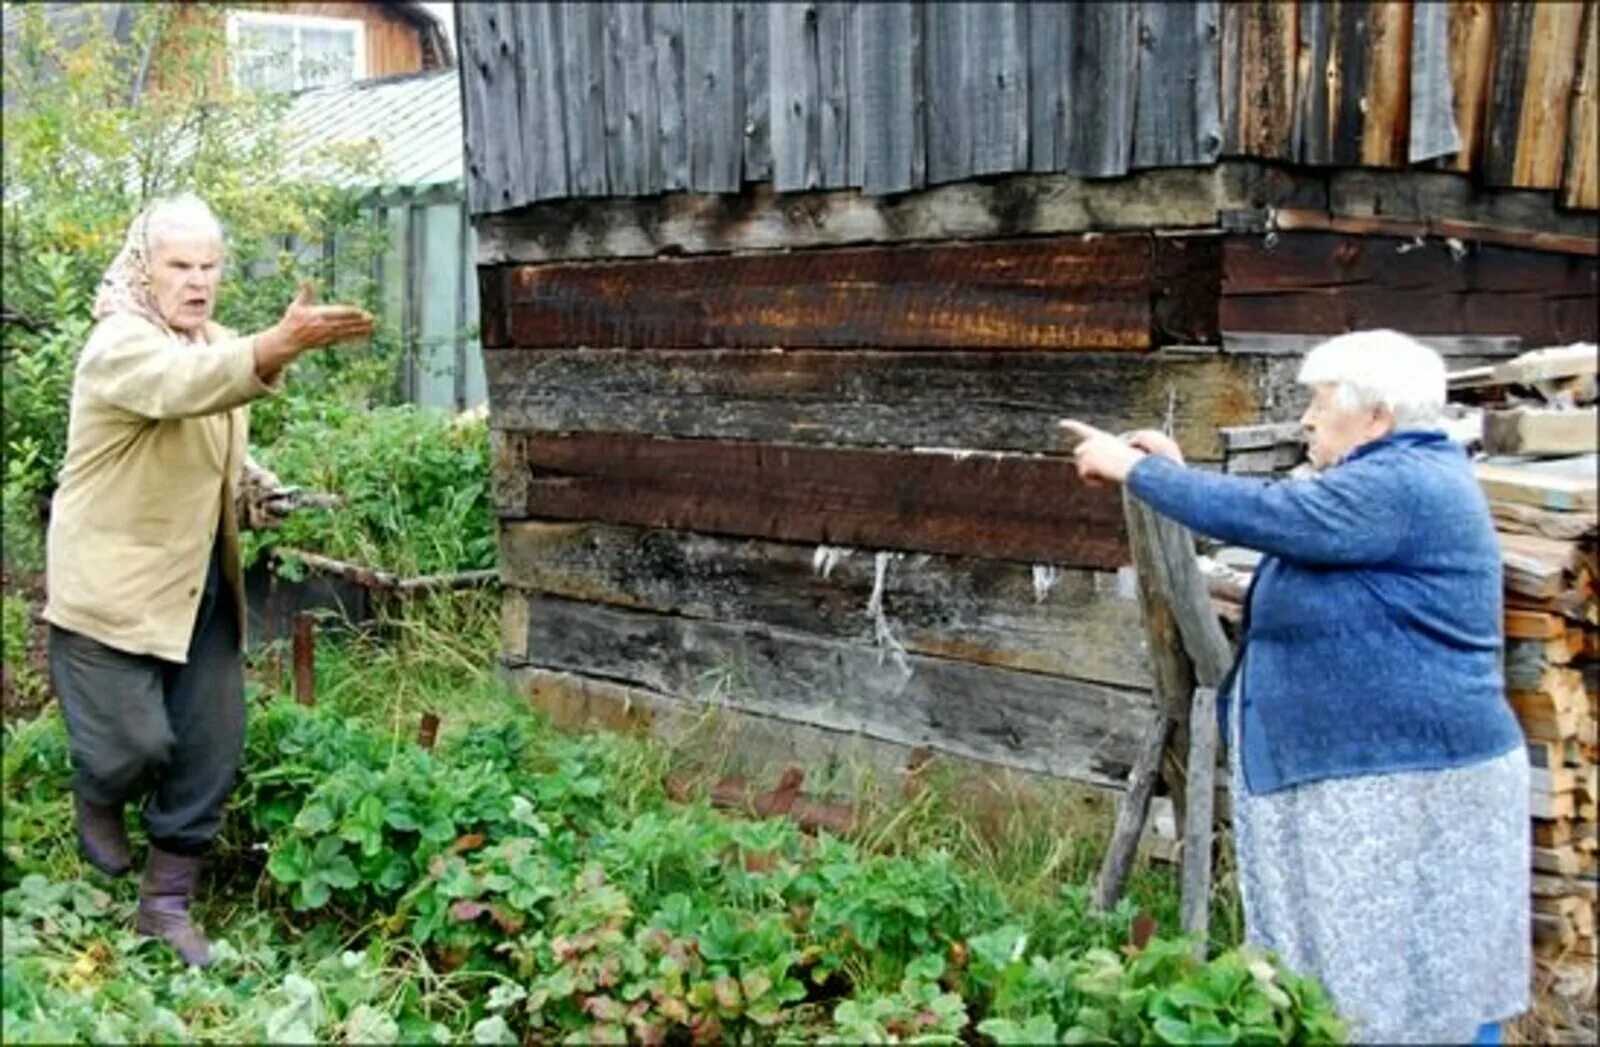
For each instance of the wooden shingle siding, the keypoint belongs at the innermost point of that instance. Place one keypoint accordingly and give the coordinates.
(897, 96)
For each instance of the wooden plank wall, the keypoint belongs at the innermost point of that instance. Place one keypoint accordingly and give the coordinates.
(825, 486)
(895, 96)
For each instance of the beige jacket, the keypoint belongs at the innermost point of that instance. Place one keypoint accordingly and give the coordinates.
(155, 447)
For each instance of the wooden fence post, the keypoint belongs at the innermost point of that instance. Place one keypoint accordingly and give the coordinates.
(305, 659)
(428, 730)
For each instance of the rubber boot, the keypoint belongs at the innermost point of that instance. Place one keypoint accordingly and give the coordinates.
(103, 836)
(169, 882)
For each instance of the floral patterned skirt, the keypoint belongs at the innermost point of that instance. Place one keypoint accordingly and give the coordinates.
(1406, 894)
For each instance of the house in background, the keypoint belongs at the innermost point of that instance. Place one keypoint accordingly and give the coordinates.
(278, 46)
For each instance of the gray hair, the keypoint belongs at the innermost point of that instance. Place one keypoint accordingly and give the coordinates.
(185, 213)
(1380, 369)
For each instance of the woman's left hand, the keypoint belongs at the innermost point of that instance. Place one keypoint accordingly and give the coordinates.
(1100, 455)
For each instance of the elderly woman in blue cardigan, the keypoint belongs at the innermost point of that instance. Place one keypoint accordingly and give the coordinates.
(1380, 782)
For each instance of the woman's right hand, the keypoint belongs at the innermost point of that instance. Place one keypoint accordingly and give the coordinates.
(305, 326)
(1154, 441)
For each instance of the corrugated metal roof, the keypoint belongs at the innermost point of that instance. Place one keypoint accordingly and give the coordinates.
(415, 121)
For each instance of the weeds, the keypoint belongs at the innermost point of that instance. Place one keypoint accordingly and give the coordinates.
(520, 882)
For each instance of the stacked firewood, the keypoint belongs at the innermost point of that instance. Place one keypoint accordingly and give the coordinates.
(1538, 469)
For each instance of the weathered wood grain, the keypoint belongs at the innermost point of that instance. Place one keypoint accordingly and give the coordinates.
(1177, 115)
(583, 99)
(1102, 86)
(475, 108)
(1328, 282)
(893, 136)
(1471, 69)
(998, 506)
(1384, 105)
(1036, 618)
(632, 111)
(995, 401)
(1433, 123)
(835, 37)
(1317, 84)
(715, 89)
(544, 141)
(1047, 65)
(666, 21)
(1259, 47)
(1132, 809)
(1535, 63)
(1062, 293)
(1414, 229)
(1581, 178)
(1194, 910)
(755, 60)
(978, 105)
(1037, 723)
(796, 104)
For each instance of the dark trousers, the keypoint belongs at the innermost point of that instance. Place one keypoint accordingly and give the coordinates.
(142, 726)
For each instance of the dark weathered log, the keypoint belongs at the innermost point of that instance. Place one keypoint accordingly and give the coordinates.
(1195, 900)
(1042, 619)
(1132, 810)
(1331, 282)
(1022, 720)
(1033, 509)
(998, 401)
(1059, 293)
(1306, 219)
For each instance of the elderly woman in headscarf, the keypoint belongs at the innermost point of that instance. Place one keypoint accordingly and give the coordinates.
(1380, 781)
(145, 602)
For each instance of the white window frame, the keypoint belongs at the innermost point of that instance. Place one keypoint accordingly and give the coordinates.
(278, 20)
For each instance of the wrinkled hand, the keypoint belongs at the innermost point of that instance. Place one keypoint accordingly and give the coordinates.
(1156, 442)
(1101, 457)
(307, 325)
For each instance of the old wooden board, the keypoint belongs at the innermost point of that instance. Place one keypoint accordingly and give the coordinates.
(1581, 179)
(998, 401)
(1061, 293)
(1004, 506)
(1036, 618)
(1471, 37)
(1535, 63)
(1258, 68)
(1177, 117)
(1332, 282)
(1024, 720)
(1534, 431)
(1569, 487)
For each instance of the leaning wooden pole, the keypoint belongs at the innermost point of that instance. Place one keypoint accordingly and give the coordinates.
(1189, 656)
(1194, 907)
(1131, 813)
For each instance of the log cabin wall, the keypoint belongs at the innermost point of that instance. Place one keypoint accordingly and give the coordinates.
(794, 453)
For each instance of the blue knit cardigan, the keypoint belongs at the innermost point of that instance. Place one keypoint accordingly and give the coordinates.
(1373, 624)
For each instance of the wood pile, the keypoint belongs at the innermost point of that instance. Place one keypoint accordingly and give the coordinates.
(1538, 469)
